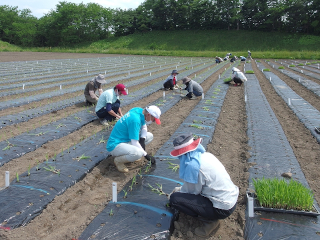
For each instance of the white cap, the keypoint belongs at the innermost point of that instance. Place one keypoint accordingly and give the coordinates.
(155, 112)
(234, 69)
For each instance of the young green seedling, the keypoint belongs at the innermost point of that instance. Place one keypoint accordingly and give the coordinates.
(102, 140)
(125, 193)
(197, 121)
(111, 212)
(52, 169)
(157, 190)
(38, 134)
(9, 145)
(196, 126)
(81, 157)
(29, 170)
(173, 166)
(17, 176)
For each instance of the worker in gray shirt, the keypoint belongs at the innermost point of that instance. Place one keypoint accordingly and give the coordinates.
(194, 89)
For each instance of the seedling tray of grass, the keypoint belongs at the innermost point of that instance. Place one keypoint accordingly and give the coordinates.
(275, 195)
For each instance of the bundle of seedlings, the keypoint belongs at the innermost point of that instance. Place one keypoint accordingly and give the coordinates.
(282, 194)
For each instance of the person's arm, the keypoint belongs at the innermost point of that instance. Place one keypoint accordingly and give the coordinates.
(137, 144)
(93, 95)
(100, 91)
(111, 112)
(120, 112)
(194, 188)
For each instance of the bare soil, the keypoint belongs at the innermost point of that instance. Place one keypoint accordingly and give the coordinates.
(70, 213)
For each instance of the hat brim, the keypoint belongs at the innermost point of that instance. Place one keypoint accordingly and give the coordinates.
(101, 81)
(157, 120)
(124, 92)
(189, 148)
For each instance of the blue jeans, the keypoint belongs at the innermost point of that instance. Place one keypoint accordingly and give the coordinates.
(103, 113)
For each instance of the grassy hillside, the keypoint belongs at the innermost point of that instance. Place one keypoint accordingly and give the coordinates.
(205, 44)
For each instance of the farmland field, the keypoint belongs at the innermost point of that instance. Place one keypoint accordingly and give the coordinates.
(44, 123)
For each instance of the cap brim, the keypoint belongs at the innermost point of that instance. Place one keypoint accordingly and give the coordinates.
(157, 120)
(124, 92)
(189, 148)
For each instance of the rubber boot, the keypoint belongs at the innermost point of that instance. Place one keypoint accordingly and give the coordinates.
(119, 162)
(207, 228)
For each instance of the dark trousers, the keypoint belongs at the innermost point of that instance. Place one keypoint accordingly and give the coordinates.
(168, 85)
(198, 206)
(237, 80)
(103, 113)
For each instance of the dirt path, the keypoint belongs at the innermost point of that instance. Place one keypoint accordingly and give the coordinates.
(69, 214)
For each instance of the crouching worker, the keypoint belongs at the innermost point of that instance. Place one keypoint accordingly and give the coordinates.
(207, 193)
(171, 81)
(130, 135)
(108, 106)
(194, 89)
(238, 77)
(91, 87)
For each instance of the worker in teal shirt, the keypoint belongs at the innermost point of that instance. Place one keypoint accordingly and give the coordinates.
(130, 135)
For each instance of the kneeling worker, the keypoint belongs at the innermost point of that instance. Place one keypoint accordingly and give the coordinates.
(92, 87)
(108, 106)
(208, 192)
(194, 89)
(238, 77)
(130, 135)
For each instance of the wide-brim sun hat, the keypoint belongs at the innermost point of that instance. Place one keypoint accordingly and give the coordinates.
(174, 71)
(184, 144)
(185, 80)
(100, 79)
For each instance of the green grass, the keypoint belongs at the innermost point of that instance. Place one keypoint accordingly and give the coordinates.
(250, 71)
(266, 70)
(197, 43)
(292, 65)
(275, 193)
(281, 67)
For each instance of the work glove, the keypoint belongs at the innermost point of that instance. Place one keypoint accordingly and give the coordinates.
(176, 189)
(142, 143)
(150, 158)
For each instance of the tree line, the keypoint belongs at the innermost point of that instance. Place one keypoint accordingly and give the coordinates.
(72, 23)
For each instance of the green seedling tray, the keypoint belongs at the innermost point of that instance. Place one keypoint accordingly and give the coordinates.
(258, 207)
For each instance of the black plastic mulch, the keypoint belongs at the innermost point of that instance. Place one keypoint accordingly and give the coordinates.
(309, 84)
(38, 186)
(306, 113)
(272, 155)
(142, 211)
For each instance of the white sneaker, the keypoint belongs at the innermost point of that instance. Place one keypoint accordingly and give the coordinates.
(104, 122)
(175, 88)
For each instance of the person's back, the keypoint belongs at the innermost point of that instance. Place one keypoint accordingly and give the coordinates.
(195, 88)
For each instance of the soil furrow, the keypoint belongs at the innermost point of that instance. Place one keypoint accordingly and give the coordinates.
(304, 145)
(68, 215)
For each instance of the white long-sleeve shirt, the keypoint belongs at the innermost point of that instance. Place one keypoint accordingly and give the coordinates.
(214, 183)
